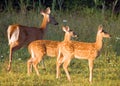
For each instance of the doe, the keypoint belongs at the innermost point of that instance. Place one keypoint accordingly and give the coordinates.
(19, 35)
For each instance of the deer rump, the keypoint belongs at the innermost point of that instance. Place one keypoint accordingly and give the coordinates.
(14, 35)
(22, 34)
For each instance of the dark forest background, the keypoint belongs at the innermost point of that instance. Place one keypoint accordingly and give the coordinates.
(112, 5)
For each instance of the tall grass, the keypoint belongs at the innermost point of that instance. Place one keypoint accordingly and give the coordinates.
(84, 23)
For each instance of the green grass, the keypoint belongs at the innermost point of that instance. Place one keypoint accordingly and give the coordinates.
(105, 74)
(107, 66)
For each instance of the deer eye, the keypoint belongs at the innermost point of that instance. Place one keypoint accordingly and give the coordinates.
(104, 31)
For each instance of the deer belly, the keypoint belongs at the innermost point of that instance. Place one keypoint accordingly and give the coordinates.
(82, 54)
(51, 52)
(80, 57)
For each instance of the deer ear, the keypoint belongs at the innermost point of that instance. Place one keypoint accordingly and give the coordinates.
(67, 28)
(48, 11)
(100, 27)
(42, 12)
(64, 29)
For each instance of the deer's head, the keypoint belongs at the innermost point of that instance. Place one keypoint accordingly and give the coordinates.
(48, 16)
(102, 32)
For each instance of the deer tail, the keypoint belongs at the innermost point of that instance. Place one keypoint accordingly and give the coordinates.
(13, 34)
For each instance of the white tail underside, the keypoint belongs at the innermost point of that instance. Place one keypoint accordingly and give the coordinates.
(14, 37)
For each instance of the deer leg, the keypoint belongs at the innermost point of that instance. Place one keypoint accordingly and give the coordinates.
(91, 62)
(42, 53)
(36, 61)
(65, 66)
(10, 59)
(29, 66)
(13, 47)
(58, 64)
(35, 66)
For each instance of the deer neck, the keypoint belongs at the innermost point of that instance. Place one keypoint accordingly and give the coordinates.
(44, 23)
(99, 42)
(67, 38)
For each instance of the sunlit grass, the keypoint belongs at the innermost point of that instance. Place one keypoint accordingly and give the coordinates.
(105, 73)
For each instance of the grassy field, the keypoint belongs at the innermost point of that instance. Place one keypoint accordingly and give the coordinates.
(107, 66)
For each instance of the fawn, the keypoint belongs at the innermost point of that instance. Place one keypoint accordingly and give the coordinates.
(39, 48)
(19, 36)
(81, 50)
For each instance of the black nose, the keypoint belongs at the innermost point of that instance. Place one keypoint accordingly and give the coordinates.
(56, 23)
(110, 36)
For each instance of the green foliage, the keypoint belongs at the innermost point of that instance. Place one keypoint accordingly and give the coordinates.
(85, 23)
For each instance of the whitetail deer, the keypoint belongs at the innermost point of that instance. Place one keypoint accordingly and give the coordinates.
(19, 35)
(81, 50)
(39, 48)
